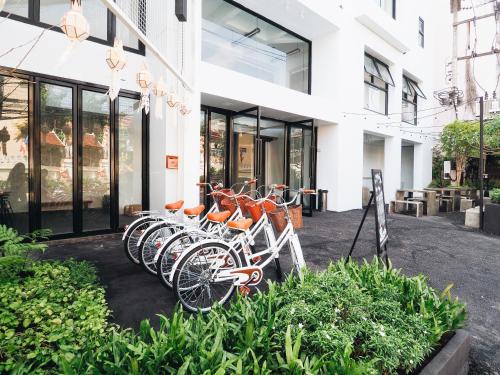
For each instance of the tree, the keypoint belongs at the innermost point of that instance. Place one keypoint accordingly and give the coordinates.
(492, 136)
(460, 140)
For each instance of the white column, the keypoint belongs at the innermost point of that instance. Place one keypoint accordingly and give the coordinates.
(392, 167)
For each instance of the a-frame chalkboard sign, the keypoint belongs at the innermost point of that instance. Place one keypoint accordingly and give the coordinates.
(377, 195)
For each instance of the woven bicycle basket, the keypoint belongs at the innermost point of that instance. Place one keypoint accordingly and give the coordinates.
(278, 218)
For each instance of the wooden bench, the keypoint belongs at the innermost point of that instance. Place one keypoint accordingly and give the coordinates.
(418, 205)
(446, 202)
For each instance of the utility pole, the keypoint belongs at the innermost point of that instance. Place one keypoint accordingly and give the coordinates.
(481, 163)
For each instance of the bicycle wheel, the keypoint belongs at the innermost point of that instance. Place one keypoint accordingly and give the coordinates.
(194, 276)
(151, 245)
(136, 229)
(171, 251)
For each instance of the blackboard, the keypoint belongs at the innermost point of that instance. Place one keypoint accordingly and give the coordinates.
(380, 217)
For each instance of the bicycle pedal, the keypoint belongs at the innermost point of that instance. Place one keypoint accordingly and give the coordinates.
(256, 259)
(244, 290)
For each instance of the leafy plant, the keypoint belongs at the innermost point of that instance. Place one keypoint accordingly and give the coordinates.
(49, 314)
(11, 243)
(495, 196)
(460, 140)
(350, 319)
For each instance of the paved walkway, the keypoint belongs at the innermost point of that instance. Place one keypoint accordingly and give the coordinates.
(435, 246)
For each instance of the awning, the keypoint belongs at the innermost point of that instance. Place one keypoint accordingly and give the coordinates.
(378, 69)
(412, 88)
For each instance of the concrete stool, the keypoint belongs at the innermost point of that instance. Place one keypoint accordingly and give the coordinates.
(465, 204)
(472, 217)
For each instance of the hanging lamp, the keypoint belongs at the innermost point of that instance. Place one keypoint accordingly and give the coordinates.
(144, 79)
(115, 58)
(74, 24)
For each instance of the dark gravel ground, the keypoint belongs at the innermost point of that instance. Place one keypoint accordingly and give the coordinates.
(439, 247)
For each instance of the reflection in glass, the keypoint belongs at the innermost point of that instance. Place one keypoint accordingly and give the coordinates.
(244, 133)
(240, 41)
(56, 171)
(129, 159)
(96, 161)
(272, 134)
(14, 153)
(296, 162)
(217, 147)
(19, 7)
(202, 155)
(94, 11)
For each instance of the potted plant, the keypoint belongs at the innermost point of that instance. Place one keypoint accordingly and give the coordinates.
(492, 213)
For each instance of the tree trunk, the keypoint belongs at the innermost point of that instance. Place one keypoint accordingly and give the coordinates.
(460, 162)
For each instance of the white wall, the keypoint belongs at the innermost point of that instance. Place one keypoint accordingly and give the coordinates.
(407, 167)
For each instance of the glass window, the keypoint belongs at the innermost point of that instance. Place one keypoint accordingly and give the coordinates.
(203, 128)
(237, 40)
(56, 152)
(411, 92)
(375, 99)
(128, 38)
(421, 35)
(14, 117)
(19, 7)
(244, 133)
(388, 6)
(272, 134)
(96, 13)
(217, 147)
(378, 69)
(96, 161)
(130, 159)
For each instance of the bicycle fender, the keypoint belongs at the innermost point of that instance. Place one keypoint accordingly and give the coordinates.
(175, 237)
(130, 226)
(183, 255)
(150, 230)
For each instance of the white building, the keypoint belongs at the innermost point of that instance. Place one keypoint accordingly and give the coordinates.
(304, 92)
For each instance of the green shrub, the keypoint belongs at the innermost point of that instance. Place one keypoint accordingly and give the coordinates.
(11, 243)
(495, 196)
(48, 311)
(350, 319)
(439, 183)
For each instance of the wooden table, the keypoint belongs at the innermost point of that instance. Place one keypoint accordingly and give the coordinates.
(454, 193)
(428, 199)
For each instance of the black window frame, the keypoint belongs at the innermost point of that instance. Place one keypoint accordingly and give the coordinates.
(421, 32)
(371, 82)
(414, 102)
(34, 158)
(34, 19)
(271, 22)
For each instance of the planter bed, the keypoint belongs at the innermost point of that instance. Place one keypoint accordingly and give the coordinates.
(492, 218)
(349, 319)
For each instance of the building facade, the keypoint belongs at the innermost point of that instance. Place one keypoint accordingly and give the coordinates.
(307, 93)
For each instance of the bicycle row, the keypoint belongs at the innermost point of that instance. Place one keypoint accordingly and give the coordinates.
(205, 259)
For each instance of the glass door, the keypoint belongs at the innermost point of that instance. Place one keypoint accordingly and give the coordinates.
(57, 175)
(300, 166)
(245, 145)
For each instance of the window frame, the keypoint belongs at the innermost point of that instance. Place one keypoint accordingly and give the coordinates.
(34, 19)
(421, 32)
(371, 82)
(286, 30)
(34, 150)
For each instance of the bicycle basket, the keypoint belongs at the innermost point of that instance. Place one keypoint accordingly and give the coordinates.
(278, 219)
(255, 209)
(219, 197)
(295, 213)
(227, 204)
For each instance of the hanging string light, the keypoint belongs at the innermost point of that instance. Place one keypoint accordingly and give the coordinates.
(172, 100)
(185, 106)
(74, 24)
(144, 80)
(115, 58)
(160, 90)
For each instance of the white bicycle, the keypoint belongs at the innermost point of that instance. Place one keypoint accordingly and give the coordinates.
(174, 246)
(209, 272)
(146, 219)
(156, 235)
